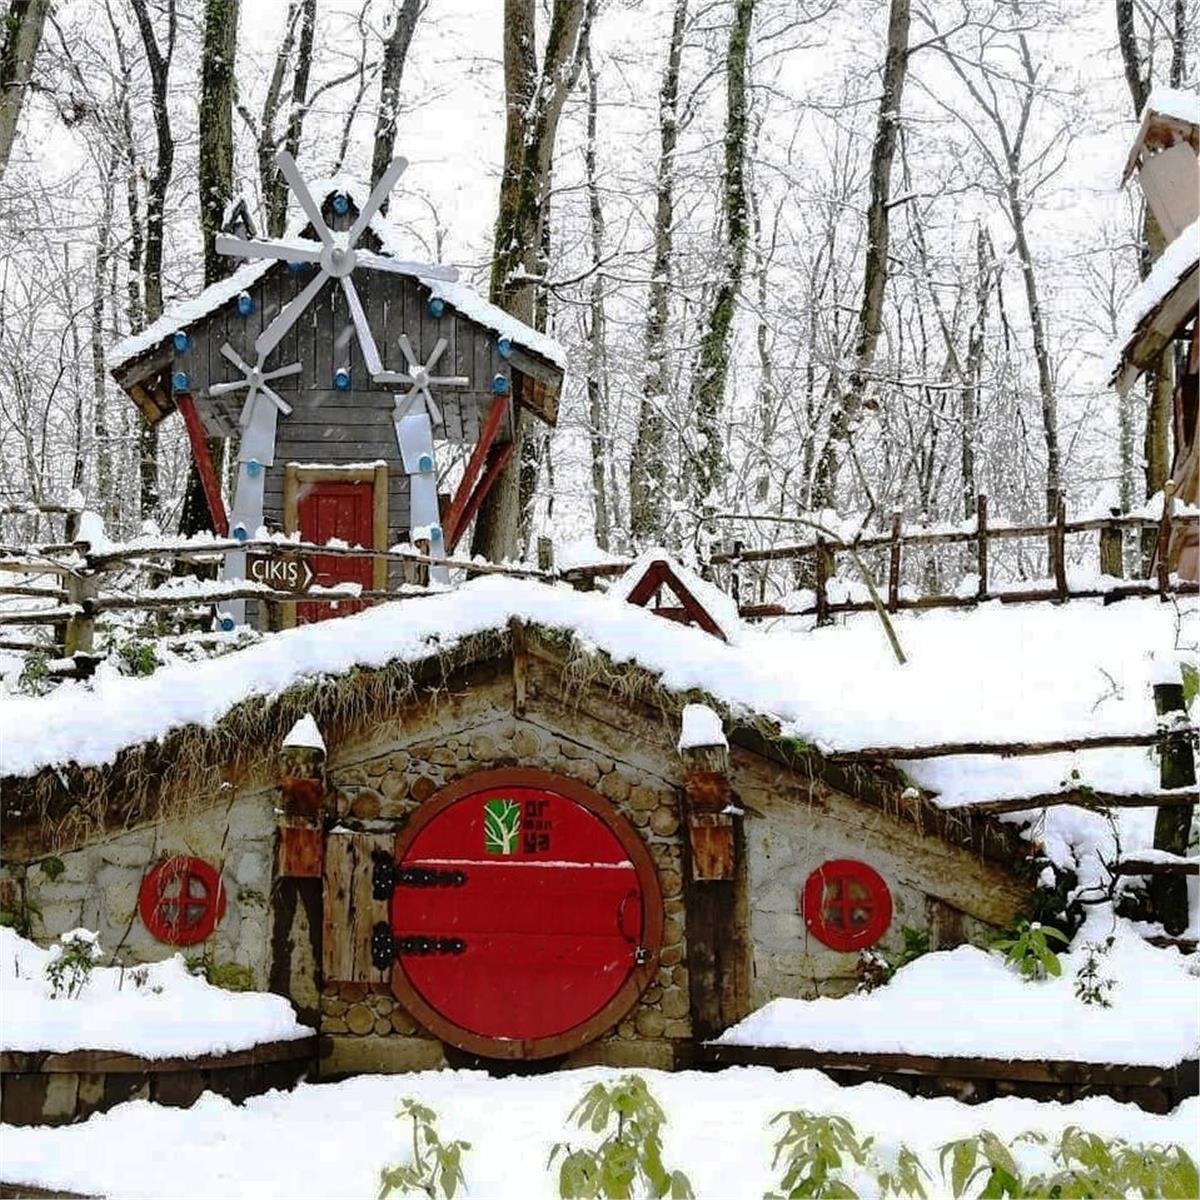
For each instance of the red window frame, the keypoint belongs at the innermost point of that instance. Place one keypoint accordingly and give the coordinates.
(169, 882)
(834, 896)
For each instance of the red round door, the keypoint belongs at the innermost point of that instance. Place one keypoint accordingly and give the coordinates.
(528, 918)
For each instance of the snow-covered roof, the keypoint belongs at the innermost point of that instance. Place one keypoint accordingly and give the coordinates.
(996, 673)
(1173, 265)
(459, 296)
(1174, 102)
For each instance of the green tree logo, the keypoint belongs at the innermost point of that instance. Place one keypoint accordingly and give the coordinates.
(501, 826)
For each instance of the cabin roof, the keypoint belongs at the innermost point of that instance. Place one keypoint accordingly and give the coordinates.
(1169, 114)
(1159, 309)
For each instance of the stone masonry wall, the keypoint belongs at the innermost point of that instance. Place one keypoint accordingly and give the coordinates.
(97, 886)
(383, 782)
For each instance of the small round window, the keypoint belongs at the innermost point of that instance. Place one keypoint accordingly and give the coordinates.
(181, 900)
(846, 905)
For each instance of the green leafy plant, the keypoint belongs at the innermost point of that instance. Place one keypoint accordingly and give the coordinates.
(631, 1153)
(812, 1151)
(436, 1166)
(907, 1178)
(1027, 949)
(983, 1155)
(137, 657)
(35, 674)
(1091, 986)
(70, 964)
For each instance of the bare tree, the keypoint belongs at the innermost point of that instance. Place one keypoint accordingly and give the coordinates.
(20, 36)
(597, 374)
(395, 53)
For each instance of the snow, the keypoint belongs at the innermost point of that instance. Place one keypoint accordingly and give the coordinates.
(700, 727)
(1004, 1016)
(305, 735)
(719, 605)
(1180, 257)
(996, 673)
(1174, 102)
(171, 1013)
(331, 1140)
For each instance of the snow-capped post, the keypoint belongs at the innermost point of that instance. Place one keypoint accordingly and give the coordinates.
(714, 892)
(302, 783)
(1173, 823)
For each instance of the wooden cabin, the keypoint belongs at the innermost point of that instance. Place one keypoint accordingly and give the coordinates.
(1162, 314)
(320, 450)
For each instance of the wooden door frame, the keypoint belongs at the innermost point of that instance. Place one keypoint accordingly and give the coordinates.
(375, 474)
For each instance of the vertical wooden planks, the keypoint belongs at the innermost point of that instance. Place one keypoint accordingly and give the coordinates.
(350, 911)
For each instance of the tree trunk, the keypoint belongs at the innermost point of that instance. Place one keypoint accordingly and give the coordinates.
(870, 318)
(534, 102)
(20, 36)
(597, 374)
(984, 269)
(707, 468)
(648, 463)
(101, 443)
(395, 52)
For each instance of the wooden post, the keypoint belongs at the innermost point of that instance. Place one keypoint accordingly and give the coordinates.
(1058, 546)
(735, 573)
(1177, 769)
(1162, 548)
(823, 557)
(981, 545)
(1112, 549)
(715, 897)
(545, 554)
(894, 564)
(82, 587)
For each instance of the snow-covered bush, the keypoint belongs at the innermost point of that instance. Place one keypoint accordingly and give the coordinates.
(812, 1151)
(70, 964)
(1027, 949)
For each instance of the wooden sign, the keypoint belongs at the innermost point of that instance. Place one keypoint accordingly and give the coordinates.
(282, 571)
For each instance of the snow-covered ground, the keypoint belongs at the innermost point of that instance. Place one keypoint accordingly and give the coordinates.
(1154, 1018)
(156, 1011)
(330, 1141)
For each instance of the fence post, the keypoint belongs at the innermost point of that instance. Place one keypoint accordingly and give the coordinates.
(1173, 823)
(981, 546)
(545, 554)
(735, 573)
(1112, 549)
(1058, 546)
(1162, 548)
(82, 586)
(822, 579)
(894, 564)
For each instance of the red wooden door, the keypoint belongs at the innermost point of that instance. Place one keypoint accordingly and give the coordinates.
(337, 510)
(545, 929)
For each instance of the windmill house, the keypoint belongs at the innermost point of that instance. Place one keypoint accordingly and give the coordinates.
(333, 366)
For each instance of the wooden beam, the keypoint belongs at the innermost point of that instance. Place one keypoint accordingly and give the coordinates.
(455, 521)
(1007, 749)
(204, 464)
(1085, 798)
(497, 461)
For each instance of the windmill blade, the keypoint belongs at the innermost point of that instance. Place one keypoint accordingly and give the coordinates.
(270, 337)
(279, 372)
(407, 350)
(287, 164)
(241, 248)
(437, 353)
(366, 340)
(247, 413)
(277, 400)
(227, 351)
(392, 377)
(222, 389)
(404, 266)
(379, 193)
(450, 380)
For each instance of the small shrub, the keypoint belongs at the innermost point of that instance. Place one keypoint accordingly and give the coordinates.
(982, 1155)
(70, 964)
(812, 1150)
(631, 1154)
(137, 657)
(1027, 949)
(1091, 986)
(876, 969)
(436, 1166)
(35, 679)
(906, 1179)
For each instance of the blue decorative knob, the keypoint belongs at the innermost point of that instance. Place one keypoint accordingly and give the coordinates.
(226, 623)
(245, 303)
(253, 467)
(435, 533)
(239, 532)
(295, 266)
(183, 343)
(341, 204)
(180, 381)
(504, 346)
(436, 307)
(425, 462)
(500, 385)
(341, 379)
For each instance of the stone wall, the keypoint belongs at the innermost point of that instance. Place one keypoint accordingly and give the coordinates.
(97, 886)
(382, 780)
